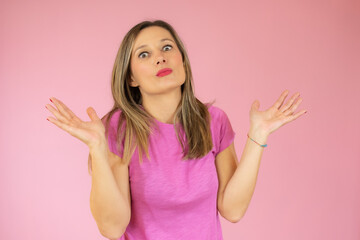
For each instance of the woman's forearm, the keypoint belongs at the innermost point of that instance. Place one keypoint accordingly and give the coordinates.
(240, 188)
(108, 206)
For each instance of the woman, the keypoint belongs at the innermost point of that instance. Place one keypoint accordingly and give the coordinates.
(163, 163)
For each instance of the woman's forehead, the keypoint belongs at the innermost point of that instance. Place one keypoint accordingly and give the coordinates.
(149, 35)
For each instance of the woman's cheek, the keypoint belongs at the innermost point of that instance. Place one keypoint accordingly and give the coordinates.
(179, 58)
(144, 70)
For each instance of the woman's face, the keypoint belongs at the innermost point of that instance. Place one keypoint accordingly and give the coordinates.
(154, 49)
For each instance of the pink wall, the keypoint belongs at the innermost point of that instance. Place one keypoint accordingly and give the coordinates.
(308, 184)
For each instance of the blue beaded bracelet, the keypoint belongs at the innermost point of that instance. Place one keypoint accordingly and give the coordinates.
(257, 142)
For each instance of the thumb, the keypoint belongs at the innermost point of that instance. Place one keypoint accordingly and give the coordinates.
(92, 114)
(255, 105)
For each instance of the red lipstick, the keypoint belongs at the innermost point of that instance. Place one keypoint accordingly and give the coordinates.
(164, 72)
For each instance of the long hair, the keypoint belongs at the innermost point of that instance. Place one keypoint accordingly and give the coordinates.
(191, 113)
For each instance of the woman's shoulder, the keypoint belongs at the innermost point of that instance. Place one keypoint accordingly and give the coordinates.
(215, 111)
(114, 117)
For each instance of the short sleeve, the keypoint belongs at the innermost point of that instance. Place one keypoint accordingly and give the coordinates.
(112, 141)
(112, 130)
(226, 132)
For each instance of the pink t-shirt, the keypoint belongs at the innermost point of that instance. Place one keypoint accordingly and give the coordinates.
(173, 199)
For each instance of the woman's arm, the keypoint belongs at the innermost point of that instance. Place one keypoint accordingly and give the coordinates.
(109, 207)
(109, 204)
(240, 188)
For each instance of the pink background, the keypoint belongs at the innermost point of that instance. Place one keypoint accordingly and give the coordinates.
(308, 183)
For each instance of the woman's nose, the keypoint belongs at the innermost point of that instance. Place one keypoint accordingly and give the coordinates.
(160, 59)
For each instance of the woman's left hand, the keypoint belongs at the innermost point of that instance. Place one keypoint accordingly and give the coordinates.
(277, 115)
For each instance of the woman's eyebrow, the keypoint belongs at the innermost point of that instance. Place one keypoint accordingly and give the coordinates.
(162, 40)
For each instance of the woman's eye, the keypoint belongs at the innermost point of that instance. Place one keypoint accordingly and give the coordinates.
(141, 54)
(168, 46)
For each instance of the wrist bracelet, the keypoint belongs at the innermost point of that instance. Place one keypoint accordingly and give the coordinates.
(265, 145)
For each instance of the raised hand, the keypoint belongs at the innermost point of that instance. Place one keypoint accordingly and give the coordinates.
(277, 115)
(91, 133)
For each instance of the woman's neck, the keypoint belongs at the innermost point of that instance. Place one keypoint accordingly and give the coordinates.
(162, 107)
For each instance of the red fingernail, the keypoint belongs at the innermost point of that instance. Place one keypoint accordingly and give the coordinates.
(48, 119)
(50, 100)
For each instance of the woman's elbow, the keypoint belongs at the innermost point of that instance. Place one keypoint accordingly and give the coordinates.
(113, 233)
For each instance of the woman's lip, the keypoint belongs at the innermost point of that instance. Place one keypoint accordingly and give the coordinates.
(164, 72)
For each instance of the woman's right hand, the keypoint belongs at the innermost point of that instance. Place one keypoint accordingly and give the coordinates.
(91, 133)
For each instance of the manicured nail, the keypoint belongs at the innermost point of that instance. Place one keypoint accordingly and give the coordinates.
(48, 119)
(46, 107)
(50, 100)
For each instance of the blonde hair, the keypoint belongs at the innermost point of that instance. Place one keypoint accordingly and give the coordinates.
(191, 113)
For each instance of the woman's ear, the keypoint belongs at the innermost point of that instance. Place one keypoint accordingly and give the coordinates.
(133, 83)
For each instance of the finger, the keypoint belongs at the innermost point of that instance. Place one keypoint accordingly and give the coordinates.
(292, 109)
(298, 114)
(61, 125)
(289, 103)
(57, 114)
(72, 115)
(63, 109)
(281, 99)
(92, 114)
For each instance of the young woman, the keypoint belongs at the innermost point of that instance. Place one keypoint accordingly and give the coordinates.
(163, 164)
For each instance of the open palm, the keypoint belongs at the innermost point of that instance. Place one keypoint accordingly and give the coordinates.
(277, 115)
(91, 133)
